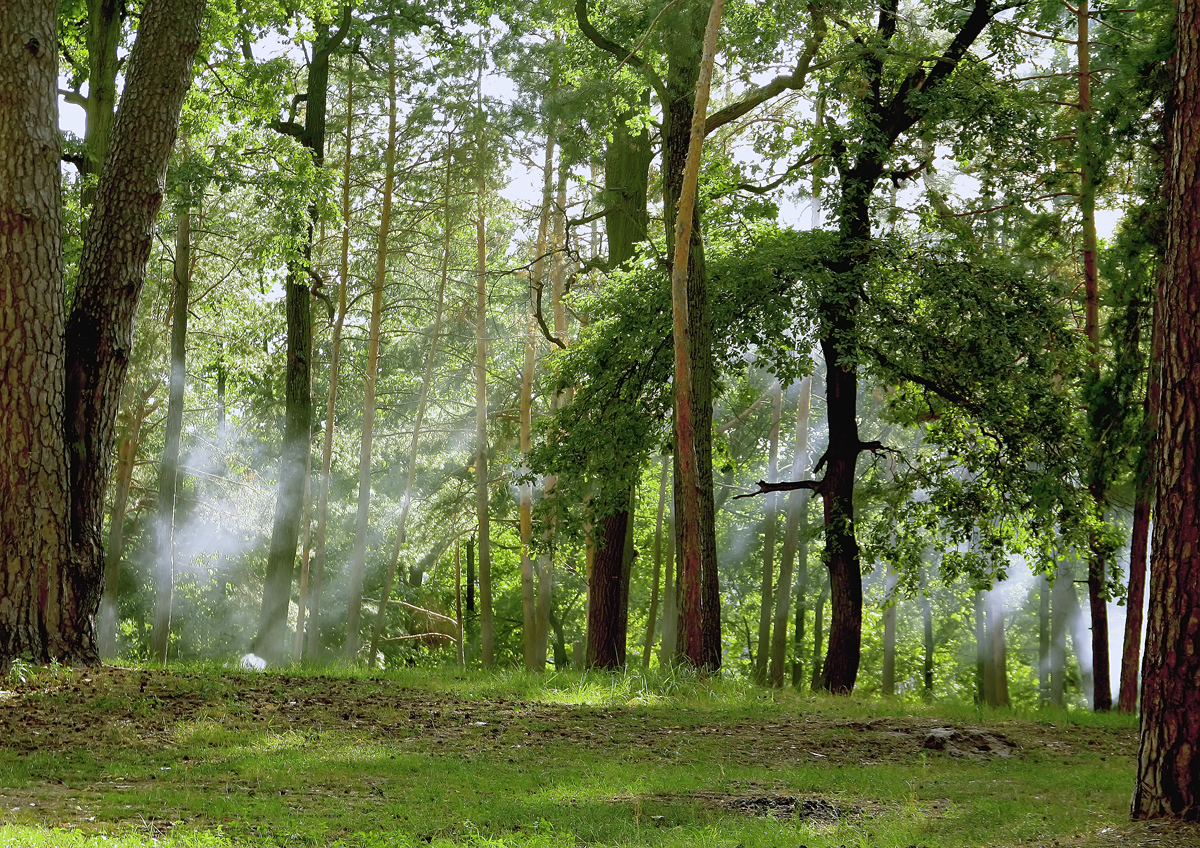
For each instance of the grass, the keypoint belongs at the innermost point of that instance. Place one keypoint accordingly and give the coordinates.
(208, 757)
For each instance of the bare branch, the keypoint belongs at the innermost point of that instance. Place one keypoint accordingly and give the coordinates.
(765, 488)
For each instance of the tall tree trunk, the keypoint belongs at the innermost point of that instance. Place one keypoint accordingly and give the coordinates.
(112, 270)
(1097, 566)
(997, 650)
(927, 620)
(656, 580)
(1043, 585)
(802, 581)
(819, 636)
(127, 448)
(525, 506)
(770, 518)
(983, 677)
(1144, 492)
(34, 486)
(313, 645)
(1168, 758)
(385, 226)
(164, 570)
(606, 637)
(693, 340)
(791, 534)
(359, 555)
(668, 641)
(271, 641)
(889, 631)
(534, 608)
(1059, 607)
(486, 634)
(105, 20)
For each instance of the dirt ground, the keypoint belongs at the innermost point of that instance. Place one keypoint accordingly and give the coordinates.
(140, 709)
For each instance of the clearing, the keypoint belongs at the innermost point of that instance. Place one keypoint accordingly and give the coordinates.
(219, 757)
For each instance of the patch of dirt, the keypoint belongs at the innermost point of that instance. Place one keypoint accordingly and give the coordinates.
(786, 807)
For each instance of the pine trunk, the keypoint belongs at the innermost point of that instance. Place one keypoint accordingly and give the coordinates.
(1168, 757)
(33, 487)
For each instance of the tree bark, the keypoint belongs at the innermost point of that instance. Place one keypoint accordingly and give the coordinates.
(105, 21)
(927, 620)
(1168, 758)
(61, 386)
(34, 486)
(693, 340)
(889, 631)
(606, 637)
(127, 448)
(385, 229)
(997, 650)
(1144, 493)
(112, 270)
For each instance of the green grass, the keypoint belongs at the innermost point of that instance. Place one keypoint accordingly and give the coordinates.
(206, 757)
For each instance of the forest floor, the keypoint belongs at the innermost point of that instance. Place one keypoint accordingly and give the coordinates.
(221, 757)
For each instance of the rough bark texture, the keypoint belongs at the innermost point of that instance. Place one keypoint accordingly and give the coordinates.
(112, 269)
(606, 637)
(33, 487)
(1168, 773)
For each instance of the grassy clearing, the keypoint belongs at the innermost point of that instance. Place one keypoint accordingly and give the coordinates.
(207, 757)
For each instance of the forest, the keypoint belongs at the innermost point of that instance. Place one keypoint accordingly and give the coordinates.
(831, 346)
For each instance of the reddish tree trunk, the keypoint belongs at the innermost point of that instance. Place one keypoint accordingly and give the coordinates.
(1168, 757)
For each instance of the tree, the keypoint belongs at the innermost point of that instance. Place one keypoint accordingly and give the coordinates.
(271, 641)
(1167, 757)
(62, 382)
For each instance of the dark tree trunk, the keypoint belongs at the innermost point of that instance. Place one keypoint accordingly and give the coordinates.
(271, 641)
(1168, 757)
(607, 594)
(61, 399)
(112, 270)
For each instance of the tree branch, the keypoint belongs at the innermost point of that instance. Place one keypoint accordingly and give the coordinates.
(765, 488)
(793, 81)
(623, 56)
